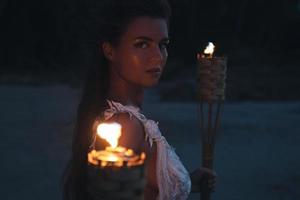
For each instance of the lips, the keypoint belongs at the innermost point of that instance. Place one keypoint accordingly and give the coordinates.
(154, 70)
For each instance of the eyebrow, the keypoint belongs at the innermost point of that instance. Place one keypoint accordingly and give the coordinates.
(151, 40)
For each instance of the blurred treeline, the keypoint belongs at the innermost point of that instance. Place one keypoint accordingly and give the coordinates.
(260, 38)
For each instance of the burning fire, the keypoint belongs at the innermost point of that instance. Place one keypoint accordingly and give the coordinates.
(110, 132)
(209, 50)
(114, 155)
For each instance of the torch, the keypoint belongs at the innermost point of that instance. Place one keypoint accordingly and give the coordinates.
(211, 76)
(116, 172)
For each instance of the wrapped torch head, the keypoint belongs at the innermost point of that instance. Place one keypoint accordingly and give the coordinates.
(211, 74)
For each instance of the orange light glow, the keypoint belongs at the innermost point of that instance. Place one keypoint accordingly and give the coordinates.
(114, 155)
(209, 50)
(110, 132)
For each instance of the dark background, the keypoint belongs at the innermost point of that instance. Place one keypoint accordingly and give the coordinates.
(45, 49)
(45, 42)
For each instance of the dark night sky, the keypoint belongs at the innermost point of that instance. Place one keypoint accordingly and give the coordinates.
(259, 37)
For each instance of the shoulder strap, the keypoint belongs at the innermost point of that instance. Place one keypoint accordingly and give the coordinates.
(116, 107)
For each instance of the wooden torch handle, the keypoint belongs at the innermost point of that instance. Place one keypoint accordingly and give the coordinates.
(207, 161)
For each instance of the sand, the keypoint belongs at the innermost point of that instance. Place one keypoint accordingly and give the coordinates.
(257, 153)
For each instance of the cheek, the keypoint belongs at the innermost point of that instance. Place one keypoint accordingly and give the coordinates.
(133, 55)
(131, 63)
(140, 59)
(127, 58)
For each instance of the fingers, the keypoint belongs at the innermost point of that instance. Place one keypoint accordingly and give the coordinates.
(211, 184)
(204, 174)
(212, 179)
(208, 172)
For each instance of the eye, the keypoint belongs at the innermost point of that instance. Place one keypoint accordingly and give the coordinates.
(141, 44)
(164, 45)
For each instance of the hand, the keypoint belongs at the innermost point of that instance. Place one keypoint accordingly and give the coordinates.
(200, 175)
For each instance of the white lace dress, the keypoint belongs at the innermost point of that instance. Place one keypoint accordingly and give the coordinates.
(173, 179)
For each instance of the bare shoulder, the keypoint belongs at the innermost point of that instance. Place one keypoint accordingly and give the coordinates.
(133, 134)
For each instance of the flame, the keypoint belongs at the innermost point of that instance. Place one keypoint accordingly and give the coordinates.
(113, 155)
(110, 132)
(209, 49)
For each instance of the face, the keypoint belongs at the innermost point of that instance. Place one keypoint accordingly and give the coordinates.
(141, 55)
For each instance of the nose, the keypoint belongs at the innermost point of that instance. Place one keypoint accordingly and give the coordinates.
(159, 56)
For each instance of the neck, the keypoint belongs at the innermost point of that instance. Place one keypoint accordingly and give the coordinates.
(124, 92)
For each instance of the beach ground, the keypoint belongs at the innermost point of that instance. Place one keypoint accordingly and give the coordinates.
(257, 154)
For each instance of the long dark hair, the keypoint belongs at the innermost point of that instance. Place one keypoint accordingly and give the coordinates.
(111, 18)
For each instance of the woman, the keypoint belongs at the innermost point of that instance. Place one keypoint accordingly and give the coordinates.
(133, 39)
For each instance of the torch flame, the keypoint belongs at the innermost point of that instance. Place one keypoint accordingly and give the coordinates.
(110, 132)
(209, 49)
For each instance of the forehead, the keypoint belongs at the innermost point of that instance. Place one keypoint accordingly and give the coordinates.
(154, 28)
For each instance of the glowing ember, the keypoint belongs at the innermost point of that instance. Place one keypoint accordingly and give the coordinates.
(209, 50)
(110, 132)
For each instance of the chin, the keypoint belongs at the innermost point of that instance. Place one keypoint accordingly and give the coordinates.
(151, 84)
